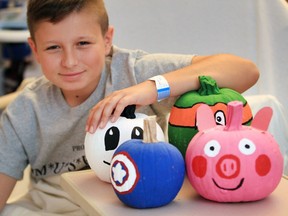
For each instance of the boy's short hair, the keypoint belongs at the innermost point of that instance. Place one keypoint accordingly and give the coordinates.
(56, 10)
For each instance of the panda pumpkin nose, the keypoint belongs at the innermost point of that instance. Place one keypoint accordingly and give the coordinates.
(228, 166)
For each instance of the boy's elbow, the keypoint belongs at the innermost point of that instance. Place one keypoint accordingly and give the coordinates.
(253, 72)
(249, 74)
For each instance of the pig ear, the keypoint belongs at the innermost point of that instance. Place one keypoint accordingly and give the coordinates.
(205, 118)
(262, 118)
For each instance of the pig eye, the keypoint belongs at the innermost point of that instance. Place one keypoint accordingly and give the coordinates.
(212, 148)
(247, 147)
(220, 118)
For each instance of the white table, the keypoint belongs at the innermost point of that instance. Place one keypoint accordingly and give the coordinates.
(98, 198)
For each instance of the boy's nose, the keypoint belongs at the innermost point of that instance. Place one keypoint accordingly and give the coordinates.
(69, 59)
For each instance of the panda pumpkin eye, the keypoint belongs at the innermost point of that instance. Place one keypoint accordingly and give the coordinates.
(111, 139)
(137, 133)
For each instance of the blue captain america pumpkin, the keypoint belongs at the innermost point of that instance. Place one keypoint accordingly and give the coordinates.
(147, 174)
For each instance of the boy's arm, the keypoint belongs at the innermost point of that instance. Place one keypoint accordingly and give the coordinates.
(228, 70)
(7, 184)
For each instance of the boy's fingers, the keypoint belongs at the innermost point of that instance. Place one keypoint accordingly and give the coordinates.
(100, 114)
(93, 121)
(119, 109)
(109, 108)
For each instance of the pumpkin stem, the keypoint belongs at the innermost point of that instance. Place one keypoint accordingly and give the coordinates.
(234, 118)
(149, 133)
(208, 86)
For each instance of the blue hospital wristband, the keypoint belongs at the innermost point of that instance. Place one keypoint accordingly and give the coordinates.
(162, 86)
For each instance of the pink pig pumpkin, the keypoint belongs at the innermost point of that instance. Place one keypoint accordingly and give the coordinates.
(234, 163)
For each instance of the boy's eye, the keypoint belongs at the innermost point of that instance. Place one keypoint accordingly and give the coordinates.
(52, 47)
(83, 43)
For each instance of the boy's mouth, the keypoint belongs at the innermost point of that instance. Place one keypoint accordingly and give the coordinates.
(71, 76)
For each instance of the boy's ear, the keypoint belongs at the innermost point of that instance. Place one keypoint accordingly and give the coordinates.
(33, 47)
(108, 40)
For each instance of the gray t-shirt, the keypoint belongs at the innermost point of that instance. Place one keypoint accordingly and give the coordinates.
(39, 128)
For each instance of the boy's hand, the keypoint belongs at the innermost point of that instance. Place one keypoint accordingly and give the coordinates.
(111, 107)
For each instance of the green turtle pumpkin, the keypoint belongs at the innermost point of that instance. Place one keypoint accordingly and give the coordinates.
(182, 121)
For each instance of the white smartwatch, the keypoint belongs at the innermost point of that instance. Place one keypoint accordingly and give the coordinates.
(162, 86)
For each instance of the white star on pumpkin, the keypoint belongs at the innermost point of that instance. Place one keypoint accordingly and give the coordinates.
(119, 173)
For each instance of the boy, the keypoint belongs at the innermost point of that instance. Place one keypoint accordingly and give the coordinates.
(45, 125)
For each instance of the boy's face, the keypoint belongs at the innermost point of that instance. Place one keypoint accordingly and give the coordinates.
(72, 52)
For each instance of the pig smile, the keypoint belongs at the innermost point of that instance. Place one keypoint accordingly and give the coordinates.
(230, 189)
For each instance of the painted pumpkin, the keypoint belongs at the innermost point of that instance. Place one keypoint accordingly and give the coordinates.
(100, 146)
(147, 174)
(234, 163)
(182, 121)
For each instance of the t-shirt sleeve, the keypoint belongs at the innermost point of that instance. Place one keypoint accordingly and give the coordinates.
(13, 158)
(150, 65)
